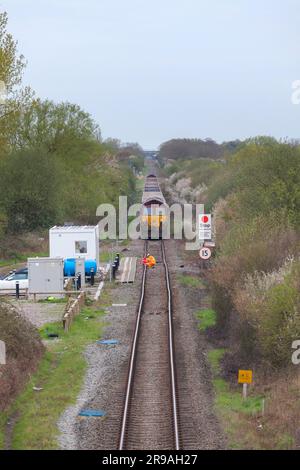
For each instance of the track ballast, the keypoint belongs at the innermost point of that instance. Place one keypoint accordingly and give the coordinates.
(150, 418)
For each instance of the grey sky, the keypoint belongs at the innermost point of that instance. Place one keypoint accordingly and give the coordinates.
(151, 70)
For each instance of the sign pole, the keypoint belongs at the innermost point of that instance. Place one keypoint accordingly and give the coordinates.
(245, 391)
(110, 263)
(2, 353)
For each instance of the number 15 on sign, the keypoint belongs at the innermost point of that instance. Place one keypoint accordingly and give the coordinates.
(205, 253)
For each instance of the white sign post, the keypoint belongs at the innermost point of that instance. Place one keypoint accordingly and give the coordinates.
(205, 227)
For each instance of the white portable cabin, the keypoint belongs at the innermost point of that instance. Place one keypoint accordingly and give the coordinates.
(75, 241)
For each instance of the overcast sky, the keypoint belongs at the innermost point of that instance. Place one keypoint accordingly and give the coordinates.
(151, 70)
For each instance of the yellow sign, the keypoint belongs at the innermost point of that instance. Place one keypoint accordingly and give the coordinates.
(245, 377)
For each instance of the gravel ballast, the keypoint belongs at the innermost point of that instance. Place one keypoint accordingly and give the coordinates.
(199, 426)
(105, 379)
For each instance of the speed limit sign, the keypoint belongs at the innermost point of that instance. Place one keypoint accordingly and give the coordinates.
(205, 253)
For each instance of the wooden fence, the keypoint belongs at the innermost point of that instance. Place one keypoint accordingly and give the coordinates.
(69, 284)
(72, 309)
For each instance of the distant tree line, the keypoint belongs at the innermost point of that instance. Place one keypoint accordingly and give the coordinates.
(186, 149)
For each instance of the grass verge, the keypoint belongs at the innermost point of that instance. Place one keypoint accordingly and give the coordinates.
(207, 318)
(259, 422)
(106, 254)
(60, 376)
(20, 258)
(105, 257)
(53, 300)
(244, 422)
(190, 281)
(3, 421)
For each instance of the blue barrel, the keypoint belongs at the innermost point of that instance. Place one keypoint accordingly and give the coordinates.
(69, 267)
(90, 266)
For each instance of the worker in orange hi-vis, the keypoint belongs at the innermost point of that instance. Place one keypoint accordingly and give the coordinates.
(149, 261)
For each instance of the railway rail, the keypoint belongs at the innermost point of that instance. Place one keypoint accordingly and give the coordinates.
(150, 413)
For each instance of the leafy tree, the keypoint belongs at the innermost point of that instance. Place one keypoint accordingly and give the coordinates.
(11, 64)
(53, 163)
(264, 178)
(114, 144)
(55, 126)
(30, 189)
(128, 150)
(11, 70)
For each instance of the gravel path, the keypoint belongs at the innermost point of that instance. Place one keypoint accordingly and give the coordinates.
(40, 313)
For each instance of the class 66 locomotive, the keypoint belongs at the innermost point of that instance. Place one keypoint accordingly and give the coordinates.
(154, 209)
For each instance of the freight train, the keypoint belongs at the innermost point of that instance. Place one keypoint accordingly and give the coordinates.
(154, 208)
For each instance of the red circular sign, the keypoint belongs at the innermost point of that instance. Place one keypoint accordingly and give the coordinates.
(204, 219)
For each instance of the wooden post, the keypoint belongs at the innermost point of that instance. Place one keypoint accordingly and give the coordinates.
(263, 407)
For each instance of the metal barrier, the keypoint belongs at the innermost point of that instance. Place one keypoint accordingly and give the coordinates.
(13, 292)
(92, 277)
(115, 266)
(17, 290)
(78, 281)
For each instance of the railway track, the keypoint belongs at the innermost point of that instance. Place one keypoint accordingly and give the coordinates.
(150, 415)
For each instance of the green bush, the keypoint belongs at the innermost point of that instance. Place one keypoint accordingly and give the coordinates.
(270, 304)
(266, 178)
(255, 197)
(24, 349)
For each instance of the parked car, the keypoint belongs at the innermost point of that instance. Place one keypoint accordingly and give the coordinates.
(9, 281)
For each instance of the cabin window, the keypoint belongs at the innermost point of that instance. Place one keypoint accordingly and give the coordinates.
(81, 247)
